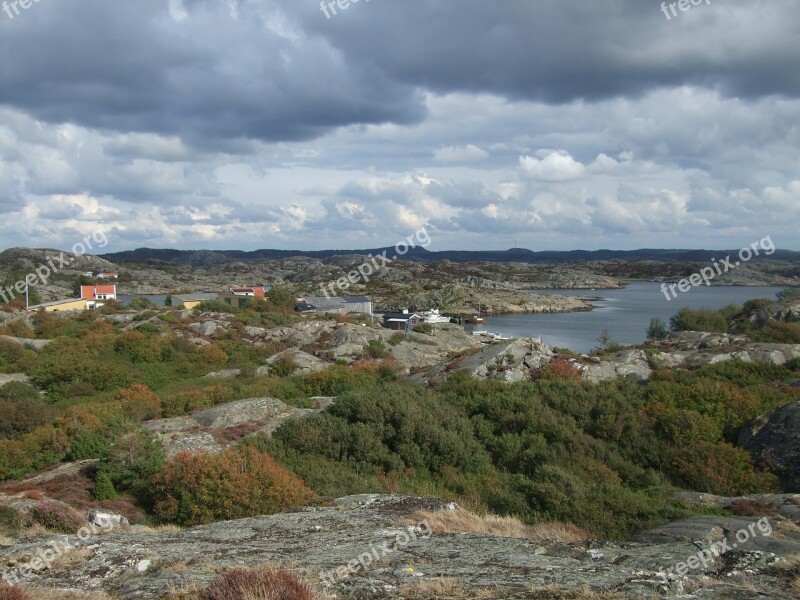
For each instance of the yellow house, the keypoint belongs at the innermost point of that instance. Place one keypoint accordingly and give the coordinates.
(190, 301)
(61, 305)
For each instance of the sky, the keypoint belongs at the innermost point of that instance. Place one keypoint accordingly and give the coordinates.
(543, 124)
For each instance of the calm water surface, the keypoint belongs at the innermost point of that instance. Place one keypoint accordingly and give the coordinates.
(625, 313)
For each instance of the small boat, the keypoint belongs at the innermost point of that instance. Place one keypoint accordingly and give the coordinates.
(435, 317)
(476, 320)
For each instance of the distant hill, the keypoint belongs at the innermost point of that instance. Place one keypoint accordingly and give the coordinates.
(211, 257)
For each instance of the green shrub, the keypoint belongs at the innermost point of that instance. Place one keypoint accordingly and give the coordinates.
(396, 338)
(132, 461)
(689, 319)
(281, 297)
(216, 305)
(375, 349)
(104, 487)
(657, 330)
(757, 304)
(89, 445)
(17, 390)
(426, 328)
(789, 294)
(10, 351)
(10, 519)
(140, 304)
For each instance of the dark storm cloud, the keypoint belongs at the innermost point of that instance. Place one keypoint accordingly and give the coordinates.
(282, 71)
(130, 67)
(557, 50)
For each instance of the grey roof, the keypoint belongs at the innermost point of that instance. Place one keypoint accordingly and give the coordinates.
(54, 303)
(194, 297)
(321, 302)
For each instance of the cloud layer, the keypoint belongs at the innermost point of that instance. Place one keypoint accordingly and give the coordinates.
(251, 124)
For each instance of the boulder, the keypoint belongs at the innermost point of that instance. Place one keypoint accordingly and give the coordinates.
(224, 374)
(206, 328)
(105, 519)
(305, 362)
(190, 441)
(239, 412)
(35, 344)
(8, 378)
(773, 440)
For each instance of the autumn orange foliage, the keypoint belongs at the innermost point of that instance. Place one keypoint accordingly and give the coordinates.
(240, 482)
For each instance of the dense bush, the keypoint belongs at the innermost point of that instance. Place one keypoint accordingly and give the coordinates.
(199, 488)
(132, 461)
(217, 306)
(16, 390)
(139, 403)
(10, 352)
(375, 349)
(57, 517)
(88, 445)
(23, 416)
(789, 294)
(10, 519)
(689, 319)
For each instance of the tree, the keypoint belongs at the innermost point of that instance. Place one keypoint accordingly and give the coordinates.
(104, 487)
(80, 281)
(657, 330)
(168, 300)
(281, 296)
(11, 281)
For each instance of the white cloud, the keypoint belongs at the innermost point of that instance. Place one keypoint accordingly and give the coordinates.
(555, 166)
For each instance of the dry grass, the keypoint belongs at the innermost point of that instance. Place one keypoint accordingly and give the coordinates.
(168, 528)
(463, 521)
(257, 584)
(449, 588)
(51, 594)
(70, 560)
(795, 586)
(747, 507)
(35, 531)
(556, 593)
(183, 591)
(443, 587)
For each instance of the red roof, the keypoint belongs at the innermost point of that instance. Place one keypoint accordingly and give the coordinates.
(258, 292)
(89, 292)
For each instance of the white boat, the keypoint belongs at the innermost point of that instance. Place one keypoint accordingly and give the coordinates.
(434, 316)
